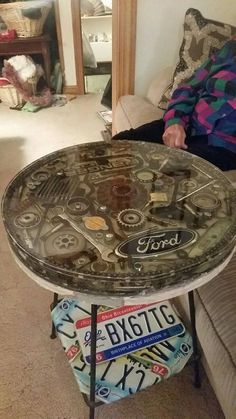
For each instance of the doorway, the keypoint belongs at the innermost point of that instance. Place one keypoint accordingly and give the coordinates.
(96, 26)
(123, 47)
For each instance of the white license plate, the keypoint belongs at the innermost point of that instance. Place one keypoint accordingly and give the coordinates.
(129, 328)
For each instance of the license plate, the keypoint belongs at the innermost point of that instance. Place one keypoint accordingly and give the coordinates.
(127, 329)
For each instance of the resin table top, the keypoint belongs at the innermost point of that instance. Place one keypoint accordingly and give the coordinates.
(120, 218)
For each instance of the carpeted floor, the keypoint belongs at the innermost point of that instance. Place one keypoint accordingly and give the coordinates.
(36, 381)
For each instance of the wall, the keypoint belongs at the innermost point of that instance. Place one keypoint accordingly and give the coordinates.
(160, 31)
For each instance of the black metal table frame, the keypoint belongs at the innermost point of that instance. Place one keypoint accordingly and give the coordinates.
(91, 403)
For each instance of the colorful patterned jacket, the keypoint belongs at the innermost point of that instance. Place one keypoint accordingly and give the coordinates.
(206, 103)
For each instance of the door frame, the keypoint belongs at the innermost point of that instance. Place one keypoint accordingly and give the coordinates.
(124, 18)
(79, 87)
(78, 45)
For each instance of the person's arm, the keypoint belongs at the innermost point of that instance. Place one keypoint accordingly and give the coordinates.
(186, 96)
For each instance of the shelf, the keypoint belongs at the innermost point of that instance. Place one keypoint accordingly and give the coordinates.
(101, 69)
(96, 17)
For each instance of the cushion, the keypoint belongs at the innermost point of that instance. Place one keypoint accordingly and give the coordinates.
(202, 37)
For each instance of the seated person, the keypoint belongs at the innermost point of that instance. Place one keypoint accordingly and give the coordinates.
(201, 116)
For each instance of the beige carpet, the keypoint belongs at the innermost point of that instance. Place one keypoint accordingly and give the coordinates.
(36, 381)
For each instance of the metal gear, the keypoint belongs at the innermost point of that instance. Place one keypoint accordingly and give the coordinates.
(27, 220)
(145, 175)
(78, 205)
(205, 201)
(130, 219)
(120, 193)
(64, 243)
(40, 175)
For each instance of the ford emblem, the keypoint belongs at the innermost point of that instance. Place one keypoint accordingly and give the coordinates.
(155, 242)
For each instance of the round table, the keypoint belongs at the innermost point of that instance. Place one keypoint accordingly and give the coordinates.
(121, 223)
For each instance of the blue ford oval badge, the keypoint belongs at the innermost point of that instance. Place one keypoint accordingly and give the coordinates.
(155, 242)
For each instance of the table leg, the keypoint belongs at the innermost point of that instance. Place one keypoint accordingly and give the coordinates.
(196, 354)
(53, 304)
(93, 360)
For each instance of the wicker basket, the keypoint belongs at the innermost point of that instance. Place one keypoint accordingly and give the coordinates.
(10, 96)
(14, 16)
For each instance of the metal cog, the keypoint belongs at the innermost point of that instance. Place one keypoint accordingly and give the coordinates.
(120, 193)
(145, 175)
(65, 241)
(78, 205)
(130, 219)
(27, 220)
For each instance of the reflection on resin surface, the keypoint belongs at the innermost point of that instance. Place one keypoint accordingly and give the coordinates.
(120, 218)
